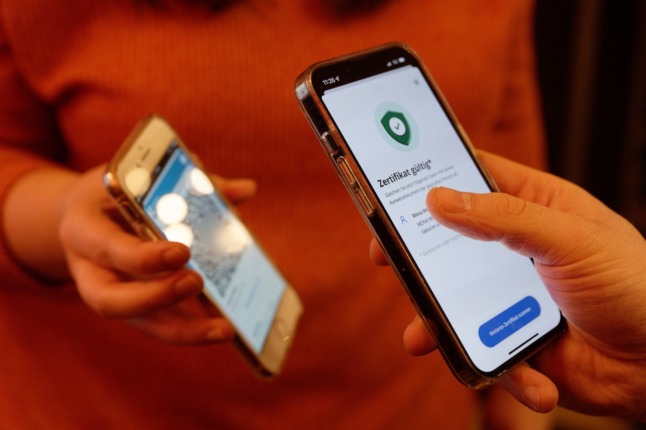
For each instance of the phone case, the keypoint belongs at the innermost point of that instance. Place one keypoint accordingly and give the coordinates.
(115, 180)
(378, 221)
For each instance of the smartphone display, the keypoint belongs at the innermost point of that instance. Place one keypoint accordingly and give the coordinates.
(392, 137)
(168, 196)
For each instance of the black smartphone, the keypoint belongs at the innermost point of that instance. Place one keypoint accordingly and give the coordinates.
(163, 192)
(392, 137)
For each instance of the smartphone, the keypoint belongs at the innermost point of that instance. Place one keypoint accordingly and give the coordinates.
(162, 190)
(392, 137)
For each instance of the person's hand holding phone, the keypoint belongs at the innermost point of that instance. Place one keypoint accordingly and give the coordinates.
(592, 262)
(122, 276)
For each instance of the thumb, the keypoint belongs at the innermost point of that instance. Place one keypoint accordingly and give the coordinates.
(533, 230)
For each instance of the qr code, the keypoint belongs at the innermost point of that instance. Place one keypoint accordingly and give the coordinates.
(216, 263)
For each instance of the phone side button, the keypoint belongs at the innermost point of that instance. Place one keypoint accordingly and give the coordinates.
(345, 171)
(127, 211)
(365, 203)
(146, 232)
(329, 143)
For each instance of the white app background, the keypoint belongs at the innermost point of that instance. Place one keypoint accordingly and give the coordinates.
(474, 282)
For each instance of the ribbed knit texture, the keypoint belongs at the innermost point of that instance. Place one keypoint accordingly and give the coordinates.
(76, 75)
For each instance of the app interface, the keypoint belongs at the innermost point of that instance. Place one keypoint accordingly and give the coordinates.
(237, 276)
(405, 144)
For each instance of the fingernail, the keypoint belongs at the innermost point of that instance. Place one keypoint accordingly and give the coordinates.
(453, 201)
(188, 284)
(175, 256)
(214, 335)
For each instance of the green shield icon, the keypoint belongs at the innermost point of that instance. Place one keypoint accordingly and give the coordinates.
(396, 126)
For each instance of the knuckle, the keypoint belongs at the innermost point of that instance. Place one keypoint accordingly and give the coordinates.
(508, 205)
(507, 212)
(129, 257)
(98, 302)
(173, 334)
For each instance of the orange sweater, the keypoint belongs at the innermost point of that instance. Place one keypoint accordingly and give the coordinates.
(76, 75)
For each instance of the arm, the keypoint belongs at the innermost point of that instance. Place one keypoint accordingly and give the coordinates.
(31, 214)
(59, 224)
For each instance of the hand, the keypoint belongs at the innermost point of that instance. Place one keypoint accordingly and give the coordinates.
(593, 263)
(146, 283)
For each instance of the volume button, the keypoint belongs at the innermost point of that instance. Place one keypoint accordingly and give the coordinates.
(329, 143)
(147, 232)
(133, 218)
(346, 171)
(363, 199)
(127, 211)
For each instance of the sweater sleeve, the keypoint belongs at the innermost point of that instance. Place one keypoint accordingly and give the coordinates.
(28, 141)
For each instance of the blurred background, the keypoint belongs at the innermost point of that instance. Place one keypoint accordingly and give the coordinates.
(592, 72)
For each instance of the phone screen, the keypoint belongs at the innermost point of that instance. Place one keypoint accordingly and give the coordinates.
(406, 144)
(238, 277)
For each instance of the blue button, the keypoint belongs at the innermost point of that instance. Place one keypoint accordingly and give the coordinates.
(509, 321)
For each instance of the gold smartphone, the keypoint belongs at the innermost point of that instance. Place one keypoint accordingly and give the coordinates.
(391, 137)
(163, 191)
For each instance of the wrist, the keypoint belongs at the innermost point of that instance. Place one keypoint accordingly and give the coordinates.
(31, 216)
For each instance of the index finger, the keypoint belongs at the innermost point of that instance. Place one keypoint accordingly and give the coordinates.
(377, 254)
(417, 340)
(543, 188)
